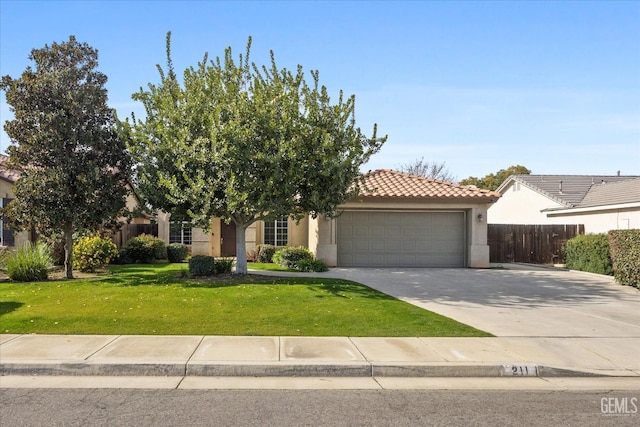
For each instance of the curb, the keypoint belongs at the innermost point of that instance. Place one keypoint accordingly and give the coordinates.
(280, 369)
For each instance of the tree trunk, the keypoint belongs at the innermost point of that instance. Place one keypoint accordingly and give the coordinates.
(68, 249)
(241, 249)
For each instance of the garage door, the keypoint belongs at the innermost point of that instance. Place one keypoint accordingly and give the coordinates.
(401, 239)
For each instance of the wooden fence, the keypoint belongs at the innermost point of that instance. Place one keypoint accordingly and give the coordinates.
(534, 244)
(129, 231)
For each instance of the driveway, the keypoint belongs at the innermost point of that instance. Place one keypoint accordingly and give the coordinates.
(519, 301)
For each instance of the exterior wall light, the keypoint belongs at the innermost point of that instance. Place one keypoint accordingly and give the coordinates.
(480, 217)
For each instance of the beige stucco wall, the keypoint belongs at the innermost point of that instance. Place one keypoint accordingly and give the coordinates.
(601, 221)
(297, 232)
(521, 207)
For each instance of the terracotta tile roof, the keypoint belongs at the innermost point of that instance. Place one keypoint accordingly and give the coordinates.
(7, 174)
(390, 184)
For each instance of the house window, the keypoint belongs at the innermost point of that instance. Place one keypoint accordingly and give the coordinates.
(180, 232)
(276, 232)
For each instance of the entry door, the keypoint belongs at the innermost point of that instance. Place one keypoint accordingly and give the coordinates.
(228, 239)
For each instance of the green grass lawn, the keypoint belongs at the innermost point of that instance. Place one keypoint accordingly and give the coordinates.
(153, 300)
(268, 267)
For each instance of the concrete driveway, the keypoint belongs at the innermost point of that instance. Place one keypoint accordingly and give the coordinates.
(519, 301)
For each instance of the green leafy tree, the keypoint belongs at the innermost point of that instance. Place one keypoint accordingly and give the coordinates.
(493, 181)
(66, 141)
(246, 143)
(427, 169)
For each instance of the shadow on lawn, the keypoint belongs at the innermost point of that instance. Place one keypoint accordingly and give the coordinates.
(323, 287)
(9, 306)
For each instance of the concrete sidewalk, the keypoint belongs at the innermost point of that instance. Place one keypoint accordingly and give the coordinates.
(229, 356)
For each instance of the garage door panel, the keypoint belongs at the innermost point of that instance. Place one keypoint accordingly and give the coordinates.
(401, 239)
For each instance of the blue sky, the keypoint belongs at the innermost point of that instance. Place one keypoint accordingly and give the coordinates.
(554, 86)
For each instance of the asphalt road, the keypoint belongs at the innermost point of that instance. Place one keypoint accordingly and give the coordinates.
(118, 407)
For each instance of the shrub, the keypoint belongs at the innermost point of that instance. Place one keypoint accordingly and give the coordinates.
(625, 253)
(123, 257)
(90, 253)
(265, 253)
(201, 265)
(290, 256)
(145, 248)
(29, 263)
(177, 252)
(589, 252)
(224, 265)
(312, 265)
(252, 254)
(55, 242)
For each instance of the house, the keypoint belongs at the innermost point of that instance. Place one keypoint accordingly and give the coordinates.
(601, 203)
(402, 221)
(10, 238)
(8, 178)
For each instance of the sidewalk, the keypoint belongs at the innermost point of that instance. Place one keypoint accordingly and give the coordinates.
(229, 356)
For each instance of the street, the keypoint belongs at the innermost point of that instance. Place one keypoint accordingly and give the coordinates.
(135, 407)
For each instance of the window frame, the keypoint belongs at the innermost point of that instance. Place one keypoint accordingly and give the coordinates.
(186, 232)
(278, 235)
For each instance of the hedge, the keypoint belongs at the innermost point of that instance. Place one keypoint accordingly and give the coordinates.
(177, 252)
(589, 252)
(625, 253)
(201, 265)
(290, 256)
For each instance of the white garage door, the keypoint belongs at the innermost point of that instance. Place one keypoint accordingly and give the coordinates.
(401, 239)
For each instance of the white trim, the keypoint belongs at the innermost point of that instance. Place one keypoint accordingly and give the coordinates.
(562, 212)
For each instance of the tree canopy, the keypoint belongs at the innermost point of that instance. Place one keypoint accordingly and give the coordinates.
(427, 169)
(493, 181)
(65, 140)
(244, 143)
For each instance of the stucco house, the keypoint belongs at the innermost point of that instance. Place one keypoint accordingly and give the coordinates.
(11, 238)
(601, 203)
(402, 221)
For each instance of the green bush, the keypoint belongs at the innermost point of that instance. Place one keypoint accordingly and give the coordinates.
(123, 257)
(177, 252)
(55, 242)
(589, 252)
(29, 263)
(91, 253)
(290, 256)
(265, 253)
(224, 265)
(145, 248)
(201, 265)
(625, 253)
(312, 265)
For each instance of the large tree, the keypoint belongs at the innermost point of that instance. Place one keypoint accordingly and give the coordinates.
(66, 141)
(427, 169)
(246, 143)
(493, 181)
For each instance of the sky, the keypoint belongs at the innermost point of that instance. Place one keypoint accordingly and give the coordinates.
(479, 86)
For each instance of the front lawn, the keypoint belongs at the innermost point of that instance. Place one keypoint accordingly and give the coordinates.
(154, 300)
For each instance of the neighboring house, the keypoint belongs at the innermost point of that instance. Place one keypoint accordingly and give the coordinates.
(601, 203)
(403, 221)
(8, 177)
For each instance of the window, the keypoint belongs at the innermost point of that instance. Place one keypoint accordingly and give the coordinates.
(276, 232)
(180, 232)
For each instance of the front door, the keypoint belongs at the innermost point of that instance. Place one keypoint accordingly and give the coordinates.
(228, 239)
